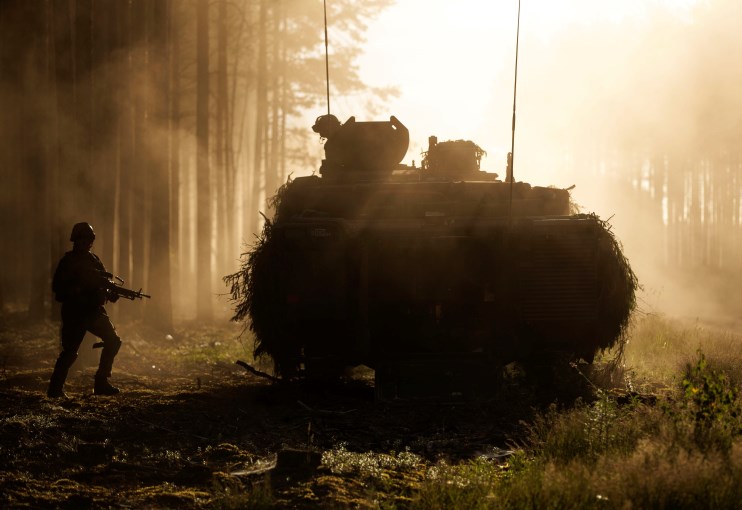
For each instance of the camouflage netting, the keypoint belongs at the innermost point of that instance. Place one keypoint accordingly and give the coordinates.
(617, 299)
(253, 290)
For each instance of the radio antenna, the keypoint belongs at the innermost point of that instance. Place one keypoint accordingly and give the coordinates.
(511, 156)
(327, 59)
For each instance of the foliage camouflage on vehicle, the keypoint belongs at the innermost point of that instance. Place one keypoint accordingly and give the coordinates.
(379, 263)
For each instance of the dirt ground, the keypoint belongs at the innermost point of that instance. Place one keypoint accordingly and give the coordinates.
(191, 429)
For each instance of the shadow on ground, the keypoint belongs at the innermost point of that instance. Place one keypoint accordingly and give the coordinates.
(208, 433)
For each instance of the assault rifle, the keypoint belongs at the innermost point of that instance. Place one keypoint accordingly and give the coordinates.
(117, 289)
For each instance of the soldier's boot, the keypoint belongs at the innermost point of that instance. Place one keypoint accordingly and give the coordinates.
(103, 387)
(111, 347)
(56, 385)
(59, 376)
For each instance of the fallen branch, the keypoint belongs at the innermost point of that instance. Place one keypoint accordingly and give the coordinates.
(257, 372)
(257, 470)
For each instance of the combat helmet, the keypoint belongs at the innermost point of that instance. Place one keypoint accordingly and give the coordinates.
(326, 125)
(82, 231)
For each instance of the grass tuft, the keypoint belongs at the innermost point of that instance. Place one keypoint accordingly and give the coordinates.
(678, 450)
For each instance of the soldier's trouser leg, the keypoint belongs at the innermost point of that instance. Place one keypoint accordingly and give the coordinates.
(72, 332)
(101, 327)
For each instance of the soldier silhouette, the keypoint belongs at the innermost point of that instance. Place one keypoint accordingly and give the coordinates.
(77, 286)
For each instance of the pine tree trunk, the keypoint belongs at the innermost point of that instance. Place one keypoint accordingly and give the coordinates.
(174, 132)
(140, 184)
(125, 150)
(159, 310)
(204, 234)
(52, 158)
(103, 130)
(39, 168)
(260, 123)
(272, 172)
(221, 132)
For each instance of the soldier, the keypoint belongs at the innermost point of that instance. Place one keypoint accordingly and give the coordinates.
(77, 286)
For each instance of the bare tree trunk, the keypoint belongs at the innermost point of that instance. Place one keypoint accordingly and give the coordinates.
(38, 166)
(203, 285)
(245, 154)
(126, 148)
(260, 121)
(84, 87)
(52, 153)
(103, 130)
(140, 188)
(232, 238)
(221, 134)
(674, 209)
(272, 172)
(284, 95)
(159, 311)
(175, 170)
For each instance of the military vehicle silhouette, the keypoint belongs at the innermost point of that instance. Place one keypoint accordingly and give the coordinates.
(435, 276)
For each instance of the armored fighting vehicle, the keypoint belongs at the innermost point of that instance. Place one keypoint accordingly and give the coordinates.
(435, 276)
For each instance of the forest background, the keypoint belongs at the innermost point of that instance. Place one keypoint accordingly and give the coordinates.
(168, 124)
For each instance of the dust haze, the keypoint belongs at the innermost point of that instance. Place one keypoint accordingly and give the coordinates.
(635, 103)
(100, 121)
(643, 116)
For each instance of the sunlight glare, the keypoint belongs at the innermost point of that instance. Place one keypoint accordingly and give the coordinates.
(453, 63)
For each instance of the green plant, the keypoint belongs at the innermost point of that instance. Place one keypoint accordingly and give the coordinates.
(710, 406)
(468, 486)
